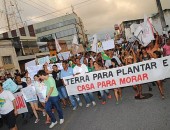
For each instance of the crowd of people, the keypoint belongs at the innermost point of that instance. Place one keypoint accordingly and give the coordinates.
(57, 97)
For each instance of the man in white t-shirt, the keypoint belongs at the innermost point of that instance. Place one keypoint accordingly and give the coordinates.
(82, 69)
(8, 109)
(79, 68)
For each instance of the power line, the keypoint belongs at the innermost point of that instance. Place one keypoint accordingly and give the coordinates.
(32, 5)
(53, 11)
(46, 5)
(59, 10)
(86, 4)
(39, 4)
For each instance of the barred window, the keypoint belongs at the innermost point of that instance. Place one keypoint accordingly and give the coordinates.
(7, 60)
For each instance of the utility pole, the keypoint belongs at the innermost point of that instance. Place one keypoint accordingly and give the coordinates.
(18, 11)
(12, 14)
(161, 15)
(7, 18)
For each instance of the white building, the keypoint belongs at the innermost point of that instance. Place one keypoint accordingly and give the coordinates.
(64, 28)
(126, 26)
(157, 23)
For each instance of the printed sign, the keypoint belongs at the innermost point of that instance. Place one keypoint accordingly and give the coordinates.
(41, 90)
(32, 70)
(108, 44)
(20, 103)
(43, 60)
(138, 73)
(10, 85)
(64, 55)
(29, 93)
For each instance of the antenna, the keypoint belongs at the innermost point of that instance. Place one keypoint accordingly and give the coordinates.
(72, 7)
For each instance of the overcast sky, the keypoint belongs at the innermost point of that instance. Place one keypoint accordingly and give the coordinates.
(97, 15)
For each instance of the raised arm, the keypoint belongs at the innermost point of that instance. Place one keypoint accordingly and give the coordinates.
(133, 55)
(157, 41)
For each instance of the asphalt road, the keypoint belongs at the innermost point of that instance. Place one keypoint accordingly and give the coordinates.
(131, 114)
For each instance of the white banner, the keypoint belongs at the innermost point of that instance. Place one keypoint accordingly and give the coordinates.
(138, 73)
(145, 32)
(108, 44)
(29, 94)
(20, 103)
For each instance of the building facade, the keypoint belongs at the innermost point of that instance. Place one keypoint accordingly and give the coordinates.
(127, 32)
(157, 23)
(125, 26)
(8, 57)
(64, 28)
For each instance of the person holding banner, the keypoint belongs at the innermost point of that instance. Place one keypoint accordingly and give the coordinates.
(52, 98)
(143, 57)
(38, 86)
(59, 84)
(99, 66)
(65, 72)
(131, 58)
(90, 65)
(153, 46)
(154, 52)
(82, 69)
(155, 55)
(117, 91)
(166, 48)
(8, 108)
(21, 85)
(34, 104)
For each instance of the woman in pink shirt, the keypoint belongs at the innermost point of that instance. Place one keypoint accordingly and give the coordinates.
(166, 48)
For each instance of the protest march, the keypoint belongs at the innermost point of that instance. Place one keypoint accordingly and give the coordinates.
(79, 77)
(87, 73)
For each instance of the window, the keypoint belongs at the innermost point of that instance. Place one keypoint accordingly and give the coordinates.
(7, 60)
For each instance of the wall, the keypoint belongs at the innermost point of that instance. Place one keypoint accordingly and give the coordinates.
(6, 49)
(157, 23)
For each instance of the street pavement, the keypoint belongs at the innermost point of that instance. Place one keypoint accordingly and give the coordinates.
(130, 114)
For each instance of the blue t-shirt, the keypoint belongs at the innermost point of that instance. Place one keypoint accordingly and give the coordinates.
(68, 72)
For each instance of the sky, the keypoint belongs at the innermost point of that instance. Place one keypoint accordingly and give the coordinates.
(97, 15)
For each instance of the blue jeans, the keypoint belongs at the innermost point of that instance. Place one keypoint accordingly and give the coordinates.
(62, 92)
(73, 99)
(53, 101)
(102, 92)
(88, 97)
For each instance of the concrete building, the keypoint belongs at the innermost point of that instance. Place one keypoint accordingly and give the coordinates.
(126, 31)
(25, 40)
(15, 52)
(64, 28)
(157, 23)
(8, 57)
(125, 27)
